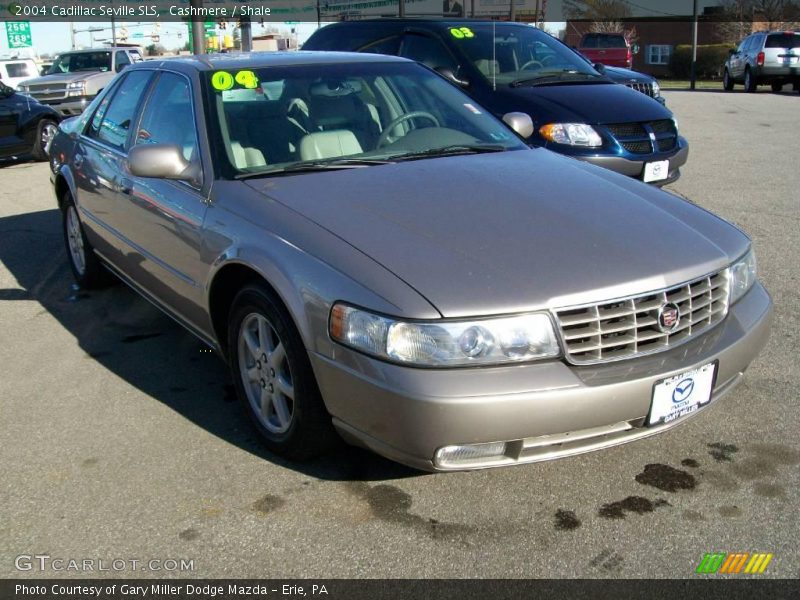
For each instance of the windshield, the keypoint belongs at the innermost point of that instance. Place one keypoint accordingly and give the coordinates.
(81, 61)
(284, 119)
(504, 54)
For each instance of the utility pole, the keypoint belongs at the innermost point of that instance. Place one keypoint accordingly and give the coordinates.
(198, 36)
(71, 35)
(512, 14)
(401, 8)
(694, 46)
(246, 31)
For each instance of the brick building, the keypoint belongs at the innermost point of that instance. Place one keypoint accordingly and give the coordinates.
(657, 38)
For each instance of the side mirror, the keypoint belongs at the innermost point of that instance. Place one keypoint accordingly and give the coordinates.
(122, 66)
(635, 49)
(162, 161)
(519, 122)
(599, 67)
(448, 74)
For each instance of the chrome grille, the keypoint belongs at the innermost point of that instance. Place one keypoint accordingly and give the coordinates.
(645, 88)
(47, 92)
(628, 327)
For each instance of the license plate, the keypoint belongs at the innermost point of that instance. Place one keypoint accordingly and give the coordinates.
(656, 171)
(681, 395)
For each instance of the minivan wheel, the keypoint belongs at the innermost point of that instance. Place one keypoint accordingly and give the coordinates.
(86, 268)
(777, 87)
(273, 377)
(45, 132)
(727, 81)
(749, 81)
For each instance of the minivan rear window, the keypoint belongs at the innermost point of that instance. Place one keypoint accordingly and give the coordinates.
(783, 40)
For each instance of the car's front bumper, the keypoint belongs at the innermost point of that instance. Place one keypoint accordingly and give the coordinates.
(544, 410)
(635, 167)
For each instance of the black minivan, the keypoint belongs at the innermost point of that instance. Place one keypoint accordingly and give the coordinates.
(514, 67)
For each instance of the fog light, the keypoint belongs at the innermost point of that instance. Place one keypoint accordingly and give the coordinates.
(471, 455)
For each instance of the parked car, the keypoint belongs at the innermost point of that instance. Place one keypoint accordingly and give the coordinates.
(374, 253)
(641, 82)
(612, 49)
(764, 58)
(26, 126)
(15, 71)
(75, 78)
(510, 67)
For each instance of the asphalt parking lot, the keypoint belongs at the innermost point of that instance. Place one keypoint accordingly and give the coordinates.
(121, 440)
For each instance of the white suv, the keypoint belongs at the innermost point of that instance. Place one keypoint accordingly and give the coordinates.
(15, 71)
(765, 58)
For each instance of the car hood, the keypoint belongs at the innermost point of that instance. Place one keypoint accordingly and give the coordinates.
(62, 77)
(620, 75)
(513, 231)
(596, 103)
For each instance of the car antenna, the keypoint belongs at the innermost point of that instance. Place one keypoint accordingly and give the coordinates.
(494, 55)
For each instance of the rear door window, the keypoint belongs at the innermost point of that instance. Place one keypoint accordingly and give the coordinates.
(390, 46)
(112, 120)
(19, 69)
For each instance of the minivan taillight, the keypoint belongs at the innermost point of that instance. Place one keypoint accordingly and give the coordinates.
(760, 59)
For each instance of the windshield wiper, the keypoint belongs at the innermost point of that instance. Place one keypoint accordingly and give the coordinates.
(555, 77)
(452, 150)
(317, 165)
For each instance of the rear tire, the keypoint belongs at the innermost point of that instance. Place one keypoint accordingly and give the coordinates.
(749, 81)
(776, 87)
(727, 81)
(45, 131)
(86, 268)
(273, 376)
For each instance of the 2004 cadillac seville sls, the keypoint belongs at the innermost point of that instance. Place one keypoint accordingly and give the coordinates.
(375, 254)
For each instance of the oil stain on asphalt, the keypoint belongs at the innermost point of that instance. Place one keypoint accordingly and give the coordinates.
(666, 478)
(721, 452)
(566, 520)
(632, 504)
(392, 505)
(268, 504)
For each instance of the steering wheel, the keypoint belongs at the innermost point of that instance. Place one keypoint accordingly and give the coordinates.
(548, 59)
(387, 132)
(531, 63)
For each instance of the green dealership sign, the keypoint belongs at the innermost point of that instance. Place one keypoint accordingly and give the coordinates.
(18, 34)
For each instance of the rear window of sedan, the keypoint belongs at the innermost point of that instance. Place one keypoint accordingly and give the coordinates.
(783, 40)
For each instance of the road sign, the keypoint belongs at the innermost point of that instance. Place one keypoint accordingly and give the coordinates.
(18, 34)
(138, 35)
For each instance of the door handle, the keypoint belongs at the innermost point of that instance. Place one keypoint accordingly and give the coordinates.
(125, 186)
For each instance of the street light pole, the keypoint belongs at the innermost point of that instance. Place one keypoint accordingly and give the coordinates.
(694, 46)
(198, 37)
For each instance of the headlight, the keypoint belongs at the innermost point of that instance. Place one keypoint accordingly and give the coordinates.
(571, 134)
(742, 275)
(76, 88)
(445, 343)
(656, 88)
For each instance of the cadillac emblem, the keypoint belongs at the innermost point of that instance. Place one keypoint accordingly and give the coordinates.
(669, 316)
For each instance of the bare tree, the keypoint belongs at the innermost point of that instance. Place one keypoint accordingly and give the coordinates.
(602, 11)
(739, 18)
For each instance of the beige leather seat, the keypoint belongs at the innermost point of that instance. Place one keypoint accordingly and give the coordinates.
(487, 67)
(329, 144)
(245, 158)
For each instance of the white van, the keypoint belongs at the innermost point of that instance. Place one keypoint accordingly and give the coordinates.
(15, 71)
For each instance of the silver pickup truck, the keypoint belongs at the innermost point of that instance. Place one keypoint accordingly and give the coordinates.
(76, 77)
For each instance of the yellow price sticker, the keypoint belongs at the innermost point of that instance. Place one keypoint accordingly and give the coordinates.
(222, 80)
(461, 33)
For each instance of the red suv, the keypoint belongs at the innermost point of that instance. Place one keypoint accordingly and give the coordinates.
(612, 49)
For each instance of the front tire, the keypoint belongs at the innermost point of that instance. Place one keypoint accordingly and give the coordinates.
(86, 268)
(273, 377)
(45, 132)
(727, 81)
(749, 81)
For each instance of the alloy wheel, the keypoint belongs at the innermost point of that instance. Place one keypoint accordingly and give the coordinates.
(75, 240)
(266, 374)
